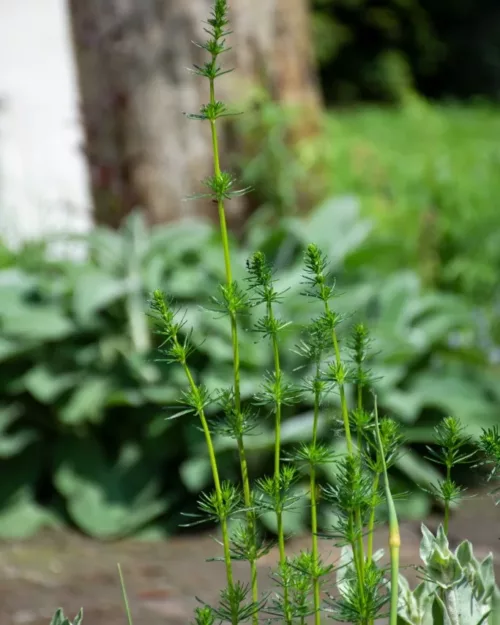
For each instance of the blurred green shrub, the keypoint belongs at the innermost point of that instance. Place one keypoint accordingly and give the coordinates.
(84, 438)
(429, 178)
(371, 50)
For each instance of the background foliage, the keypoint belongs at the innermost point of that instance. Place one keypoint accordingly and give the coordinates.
(370, 50)
(84, 402)
(410, 222)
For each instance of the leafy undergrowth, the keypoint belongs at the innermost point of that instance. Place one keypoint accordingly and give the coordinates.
(80, 380)
(429, 176)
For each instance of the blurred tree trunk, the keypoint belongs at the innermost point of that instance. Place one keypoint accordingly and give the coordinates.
(132, 57)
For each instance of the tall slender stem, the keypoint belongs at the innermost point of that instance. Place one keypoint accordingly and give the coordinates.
(394, 536)
(371, 521)
(247, 495)
(360, 408)
(359, 546)
(180, 352)
(277, 465)
(314, 510)
(216, 478)
(447, 502)
(343, 400)
(125, 596)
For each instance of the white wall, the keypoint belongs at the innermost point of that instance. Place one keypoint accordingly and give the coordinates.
(43, 178)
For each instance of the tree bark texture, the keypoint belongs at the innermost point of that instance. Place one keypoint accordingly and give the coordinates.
(132, 58)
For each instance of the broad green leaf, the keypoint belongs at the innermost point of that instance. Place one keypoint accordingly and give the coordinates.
(164, 395)
(12, 444)
(336, 227)
(294, 519)
(416, 505)
(219, 350)
(196, 474)
(107, 499)
(417, 468)
(11, 347)
(455, 396)
(40, 323)
(21, 516)
(46, 384)
(177, 239)
(407, 406)
(88, 401)
(94, 290)
(299, 428)
(107, 249)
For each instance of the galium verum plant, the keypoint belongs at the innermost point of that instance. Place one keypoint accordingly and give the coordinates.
(457, 588)
(372, 446)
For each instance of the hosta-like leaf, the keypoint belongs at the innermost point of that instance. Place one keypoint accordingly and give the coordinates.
(294, 519)
(15, 440)
(10, 348)
(339, 215)
(40, 323)
(106, 499)
(47, 384)
(12, 444)
(455, 395)
(21, 516)
(87, 401)
(196, 474)
(94, 290)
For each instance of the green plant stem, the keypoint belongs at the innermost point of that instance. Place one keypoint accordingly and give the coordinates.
(216, 478)
(218, 489)
(125, 596)
(343, 400)
(359, 547)
(314, 513)
(357, 558)
(447, 502)
(179, 349)
(394, 536)
(217, 172)
(277, 465)
(277, 433)
(315, 551)
(371, 521)
(247, 495)
(277, 407)
(360, 408)
(282, 554)
(371, 525)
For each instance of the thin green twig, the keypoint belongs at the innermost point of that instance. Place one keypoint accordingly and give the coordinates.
(125, 596)
(394, 535)
(314, 510)
(358, 548)
(277, 463)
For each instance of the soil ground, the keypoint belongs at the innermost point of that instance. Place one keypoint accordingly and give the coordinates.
(65, 569)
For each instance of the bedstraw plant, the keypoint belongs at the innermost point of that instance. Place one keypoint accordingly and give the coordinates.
(456, 589)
